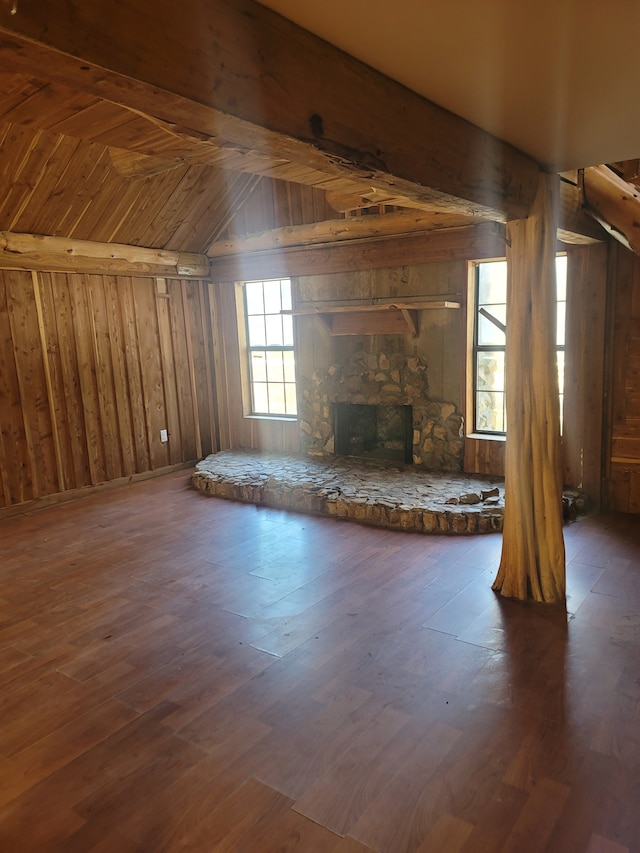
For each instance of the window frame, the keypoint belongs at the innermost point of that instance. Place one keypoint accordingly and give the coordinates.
(250, 409)
(485, 348)
(474, 348)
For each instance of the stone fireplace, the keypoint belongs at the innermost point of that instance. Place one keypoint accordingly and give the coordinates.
(380, 378)
(374, 432)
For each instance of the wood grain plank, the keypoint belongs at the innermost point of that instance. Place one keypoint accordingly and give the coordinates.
(337, 800)
(147, 334)
(241, 818)
(191, 367)
(123, 399)
(169, 366)
(17, 481)
(29, 356)
(538, 819)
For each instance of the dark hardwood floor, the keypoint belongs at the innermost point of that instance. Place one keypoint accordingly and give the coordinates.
(179, 672)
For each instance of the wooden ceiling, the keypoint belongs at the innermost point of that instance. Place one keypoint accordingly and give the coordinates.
(73, 168)
(78, 164)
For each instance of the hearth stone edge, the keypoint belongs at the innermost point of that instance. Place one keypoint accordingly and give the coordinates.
(375, 493)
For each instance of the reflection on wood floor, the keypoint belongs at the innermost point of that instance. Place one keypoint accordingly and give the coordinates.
(185, 673)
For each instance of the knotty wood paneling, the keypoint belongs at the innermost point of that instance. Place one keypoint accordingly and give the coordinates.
(484, 456)
(17, 483)
(91, 369)
(68, 406)
(622, 463)
(63, 180)
(274, 203)
(584, 368)
(31, 382)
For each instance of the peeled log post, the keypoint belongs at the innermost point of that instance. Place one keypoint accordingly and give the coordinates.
(532, 564)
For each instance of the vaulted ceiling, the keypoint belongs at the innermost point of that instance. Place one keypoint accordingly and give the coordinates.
(80, 162)
(79, 166)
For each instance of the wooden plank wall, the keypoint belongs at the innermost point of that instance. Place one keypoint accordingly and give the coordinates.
(91, 369)
(584, 368)
(622, 458)
(484, 456)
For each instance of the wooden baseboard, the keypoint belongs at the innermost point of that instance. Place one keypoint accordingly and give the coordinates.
(85, 491)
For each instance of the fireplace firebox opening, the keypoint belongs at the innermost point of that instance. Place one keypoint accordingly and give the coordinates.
(374, 432)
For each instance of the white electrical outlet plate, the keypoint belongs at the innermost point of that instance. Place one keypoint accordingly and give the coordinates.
(164, 435)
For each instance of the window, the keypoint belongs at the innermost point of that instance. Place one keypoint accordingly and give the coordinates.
(269, 335)
(489, 339)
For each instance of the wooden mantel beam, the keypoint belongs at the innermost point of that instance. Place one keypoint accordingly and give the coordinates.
(234, 74)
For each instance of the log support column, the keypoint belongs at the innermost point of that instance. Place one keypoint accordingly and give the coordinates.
(532, 565)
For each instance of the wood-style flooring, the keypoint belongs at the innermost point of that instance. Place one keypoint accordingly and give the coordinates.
(179, 672)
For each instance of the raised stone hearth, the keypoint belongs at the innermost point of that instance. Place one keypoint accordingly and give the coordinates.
(372, 492)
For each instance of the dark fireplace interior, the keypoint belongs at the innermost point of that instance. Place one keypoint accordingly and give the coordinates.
(374, 432)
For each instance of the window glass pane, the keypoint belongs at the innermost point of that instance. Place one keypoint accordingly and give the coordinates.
(489, 334)
(272, 301)
(490, 411)
(289, 366)
(561, 277)
(290, 396)
(286, 294)
(260, 398)
(277, 401)
(275, 370)
(287, 330)
(253, 296)
(561, 323)
(560, 355)
(273, 323)
(259, 366)
(255, 328)
(492, 283)
(490, 371)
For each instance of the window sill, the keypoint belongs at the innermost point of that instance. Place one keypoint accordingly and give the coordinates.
(486, 436)
(288, 418)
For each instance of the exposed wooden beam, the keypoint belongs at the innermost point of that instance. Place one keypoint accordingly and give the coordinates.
(341, 230)
(614, 203)
(450, 244)
(58, 254)
(575, 226)
(234, 74)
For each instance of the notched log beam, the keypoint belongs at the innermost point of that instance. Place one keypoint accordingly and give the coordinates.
(232, 72)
